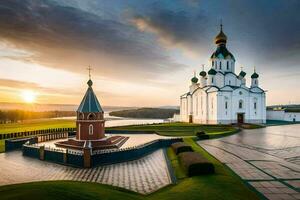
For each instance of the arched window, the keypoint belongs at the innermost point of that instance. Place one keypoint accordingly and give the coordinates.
(91, 116)
(91, 129)
(226, 104)
(254, 105)
(212, 79)
(212, 63)
(227, 65)
(255, 82)
(220, 65)
(81, 116)
(229, 82)
(240, 104)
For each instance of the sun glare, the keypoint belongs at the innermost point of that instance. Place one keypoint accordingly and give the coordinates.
(28, 96)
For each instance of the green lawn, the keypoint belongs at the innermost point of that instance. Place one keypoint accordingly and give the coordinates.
(179, 129)
(166, 129)
(36, 125)
(224, 184)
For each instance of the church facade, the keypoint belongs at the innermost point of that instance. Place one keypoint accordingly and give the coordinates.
(221, 96)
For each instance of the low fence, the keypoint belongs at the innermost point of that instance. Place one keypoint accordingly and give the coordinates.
(52, 136)
(34, 133)
(87, 158)
(13, 144)
(105, 157)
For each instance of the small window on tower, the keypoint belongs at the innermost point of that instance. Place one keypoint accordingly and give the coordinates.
(212, 63)
(220, 65)
(227, 65)
(91, 129)
(212, 80)
(254, 105)
(226, 105)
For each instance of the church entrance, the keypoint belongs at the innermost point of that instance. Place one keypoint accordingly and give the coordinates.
(240, 118)
(190, 118)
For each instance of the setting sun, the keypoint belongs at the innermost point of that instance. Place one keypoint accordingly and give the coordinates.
(28, 96)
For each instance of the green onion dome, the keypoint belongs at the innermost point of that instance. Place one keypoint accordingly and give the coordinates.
(202, 73)
(212, 72)
(254, 75)
(242, 74)
(194, 79)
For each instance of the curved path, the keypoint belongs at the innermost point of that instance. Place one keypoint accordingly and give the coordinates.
(268, 159)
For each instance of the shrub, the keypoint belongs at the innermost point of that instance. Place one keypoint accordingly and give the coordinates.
(195, 164)
(203, 137)
(180, 147)
(200, 133)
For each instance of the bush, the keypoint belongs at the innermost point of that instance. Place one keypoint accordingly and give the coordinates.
(180, 147)
(200, 133)
(203, 137)
(195, 164)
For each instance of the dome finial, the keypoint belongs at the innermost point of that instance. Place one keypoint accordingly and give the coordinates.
(90, 82)
(221, 25)
(221, 38)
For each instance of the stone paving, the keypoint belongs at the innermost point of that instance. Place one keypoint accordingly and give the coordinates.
(268, 159)
(144, 175)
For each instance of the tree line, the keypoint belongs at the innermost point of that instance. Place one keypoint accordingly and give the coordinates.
(147, 113)
(14, 116)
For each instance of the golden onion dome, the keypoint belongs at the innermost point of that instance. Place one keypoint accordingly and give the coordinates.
(221, 38)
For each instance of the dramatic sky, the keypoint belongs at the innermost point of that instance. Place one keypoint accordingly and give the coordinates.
(143, 53)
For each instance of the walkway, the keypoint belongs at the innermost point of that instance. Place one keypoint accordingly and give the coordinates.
(267, 159)
(144, 175)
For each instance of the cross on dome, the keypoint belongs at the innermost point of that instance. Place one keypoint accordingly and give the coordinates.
(90, 69)
(90, 82)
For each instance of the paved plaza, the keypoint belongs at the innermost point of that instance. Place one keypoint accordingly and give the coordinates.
(268, 159)
(144, 175)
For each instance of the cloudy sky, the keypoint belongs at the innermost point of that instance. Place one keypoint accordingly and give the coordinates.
(143, 53)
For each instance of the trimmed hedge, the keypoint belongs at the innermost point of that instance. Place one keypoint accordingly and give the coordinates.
(180, 147)
(203, 137)
(195, 164)
(199, 133)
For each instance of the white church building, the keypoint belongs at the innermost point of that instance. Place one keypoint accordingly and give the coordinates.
(221, 96)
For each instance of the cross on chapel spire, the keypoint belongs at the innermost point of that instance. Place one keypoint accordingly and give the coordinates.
(90, 69)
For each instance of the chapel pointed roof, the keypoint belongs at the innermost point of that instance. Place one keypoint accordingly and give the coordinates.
(90, 102)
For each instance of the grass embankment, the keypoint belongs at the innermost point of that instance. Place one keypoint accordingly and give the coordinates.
(224, 184)
(34, 125)
(179, 129)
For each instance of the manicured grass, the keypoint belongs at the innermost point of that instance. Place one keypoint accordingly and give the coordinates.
(279, 123)
(251, 126)
(179, 129)
(224, 184)
(65, 190)
(2, 146)
(36, 125)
